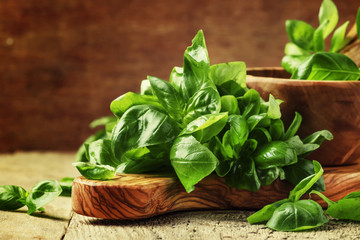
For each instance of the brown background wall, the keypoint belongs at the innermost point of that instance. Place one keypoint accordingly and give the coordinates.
(62, 62)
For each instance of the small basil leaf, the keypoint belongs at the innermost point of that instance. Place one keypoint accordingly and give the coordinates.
(142, 126)
(301, 148)
(42, 193)
(292, 49)
(277, 129)
(274, 108)
(300, 33)
(81, 152)
(319, 43)
(243, 175)
(229, 104)
(239, 130)
(11, 196)
(103, 121)
(261, 135)
(96, 172)
(291, 63)
(297, 216)
(265, 213)
(294, 127)
(295, 173)
(205, 101)
(168, 97)
(145, 87)
(346, 208)
(306, 184)
(205, 127)
(318, 137)
(254, 120)
(66, 186)
(338, 40)
(269, 175)
(191, 161)
(328, 12)
(274, 154)
(129, 99)
(249, 104)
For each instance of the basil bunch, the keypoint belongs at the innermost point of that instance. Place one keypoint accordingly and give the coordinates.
(304, 54)
(14, 197)
(204, 120)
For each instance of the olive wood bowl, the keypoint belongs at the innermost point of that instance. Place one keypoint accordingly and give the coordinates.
(330, 105)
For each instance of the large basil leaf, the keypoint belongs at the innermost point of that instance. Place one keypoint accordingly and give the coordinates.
(142, 126)
(266, 212)
(129, 99)
(274, 154)
(205, 127)
(328, 13)
(41, 194)
(191, 161)
(276, 129)
(239, 130)
(11, 197)
(168, 97)
(327, 66)
(229, 104)
(80, 155)
(297, 216)
(205, 101)
(300, 33)
(196, 67)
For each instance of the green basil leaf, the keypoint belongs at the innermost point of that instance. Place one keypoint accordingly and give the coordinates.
(191, 161)
(42, 193)
(269, 175)
(318, 137)
(291, 63)
(292, 49)
(196, 67)
(306, 184)
(297, 216)
(101, 153)
(304, 168)
(129, 99)
(81, 152)
(261, 135)
(249, 104)
(254, 120)
(319, 43)
(328, 66)
(205, 127)
(103, 121)
(11, 197)
(346, 208)
(328, 12)
(300, 33)
(274, 154)
(276, 129)
(243, 175)
(96, 172)
(265, 213)
(338, 40)
(229, 104)
(294, 127)
(274, 108)
(205, 101)
(66, 186)
(177, 78)
(168, 97)
(301, 148)
(142, 126)
(239, 130)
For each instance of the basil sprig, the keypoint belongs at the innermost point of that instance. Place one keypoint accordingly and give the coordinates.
(305, 56)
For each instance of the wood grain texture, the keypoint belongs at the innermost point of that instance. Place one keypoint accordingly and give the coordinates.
(331, 105)
(63, 62)
(135, 196)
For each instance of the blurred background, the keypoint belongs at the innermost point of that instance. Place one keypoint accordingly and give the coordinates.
(62, 62)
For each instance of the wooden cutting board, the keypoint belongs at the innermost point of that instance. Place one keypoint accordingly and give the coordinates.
(135, 196)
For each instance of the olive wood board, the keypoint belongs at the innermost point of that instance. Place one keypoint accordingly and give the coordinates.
(136, 196)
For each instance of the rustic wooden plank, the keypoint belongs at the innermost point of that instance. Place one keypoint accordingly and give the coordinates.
(62, 62)
(26, 169)
(209, 225)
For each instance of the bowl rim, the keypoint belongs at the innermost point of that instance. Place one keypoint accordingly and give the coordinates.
(282, 70)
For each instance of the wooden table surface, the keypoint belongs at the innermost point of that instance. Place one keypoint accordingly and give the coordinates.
(59, 222)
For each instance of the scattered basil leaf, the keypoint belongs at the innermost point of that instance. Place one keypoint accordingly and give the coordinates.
(42, 193)
(265, 213)
(11, 197)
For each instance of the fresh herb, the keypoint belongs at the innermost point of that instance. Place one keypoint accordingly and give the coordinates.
(304, 54)
(204, 120)
(15, 197)
(293, 214)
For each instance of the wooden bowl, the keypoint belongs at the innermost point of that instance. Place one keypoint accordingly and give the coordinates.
(330, 105)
